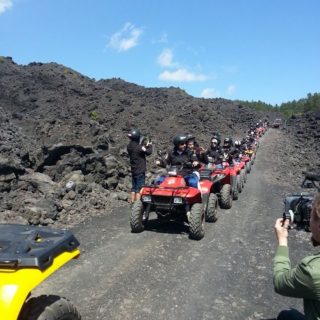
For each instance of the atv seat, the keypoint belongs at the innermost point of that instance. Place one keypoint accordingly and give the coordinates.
(31, 246)
(205, 174)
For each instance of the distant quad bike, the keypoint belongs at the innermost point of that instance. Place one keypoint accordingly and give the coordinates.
(172, 199)
(251, 154)
(247, 161)
(28, 255)
(241, 167)
(235, 180)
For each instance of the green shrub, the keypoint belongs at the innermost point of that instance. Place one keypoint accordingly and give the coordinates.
(94, 115)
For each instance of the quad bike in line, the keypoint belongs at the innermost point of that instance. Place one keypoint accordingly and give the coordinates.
(170, 199)
(251, 154)
(225, 184)
(28, 255)
(240, 166)
(211, 188)
(247, 160)
(235, 179)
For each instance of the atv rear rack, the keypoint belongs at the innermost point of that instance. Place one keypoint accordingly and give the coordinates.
(32, 246)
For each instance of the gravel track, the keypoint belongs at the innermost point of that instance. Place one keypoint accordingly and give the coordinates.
(162, 274)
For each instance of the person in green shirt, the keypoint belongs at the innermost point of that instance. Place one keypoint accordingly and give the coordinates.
(303, 280)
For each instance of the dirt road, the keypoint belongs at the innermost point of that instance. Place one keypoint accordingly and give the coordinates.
(162, 274)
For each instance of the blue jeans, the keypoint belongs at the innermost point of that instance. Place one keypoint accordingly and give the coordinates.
(137, 182)
(158, 180)
(192, 180)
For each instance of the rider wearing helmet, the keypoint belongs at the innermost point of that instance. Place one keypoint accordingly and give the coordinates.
(217, 135)
(214, 150)
(239, 148)
(228, 150)
(137, 154)
(180, 156)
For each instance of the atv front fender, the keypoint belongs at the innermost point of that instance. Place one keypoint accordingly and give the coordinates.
(17, 283)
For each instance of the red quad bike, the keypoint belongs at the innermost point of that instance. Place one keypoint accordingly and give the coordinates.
(210, 182)
(240, 165)
(246, 159)
(251, 153)
(172, 199)
(223, 185)
(235, 180)
(261, 131)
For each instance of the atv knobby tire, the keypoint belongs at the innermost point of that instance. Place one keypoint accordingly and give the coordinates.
(235, 191)
(136, 218)
(252, 159)
(239, 182)
(49, 308)
(248, 166)
(243, 174)
(226, 196)
(196, 221)
(211, 211)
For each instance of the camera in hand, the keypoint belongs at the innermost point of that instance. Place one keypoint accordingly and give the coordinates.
(297, 207)
(145, 141)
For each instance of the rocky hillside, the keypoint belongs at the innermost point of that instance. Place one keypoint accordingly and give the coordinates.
(63, 138)
(304, 147)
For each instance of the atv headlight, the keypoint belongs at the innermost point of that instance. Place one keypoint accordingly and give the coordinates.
(146, 198)
(177, 200)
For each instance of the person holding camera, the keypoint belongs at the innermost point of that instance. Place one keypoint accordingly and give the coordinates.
(303, 280)
(137, 153)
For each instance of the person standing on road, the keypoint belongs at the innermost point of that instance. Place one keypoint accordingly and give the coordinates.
(137, 153)
(302, 281)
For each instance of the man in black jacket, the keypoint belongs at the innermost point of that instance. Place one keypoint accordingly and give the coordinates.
(214, 151)
(137, 154)
(228, 151)
(181, 157)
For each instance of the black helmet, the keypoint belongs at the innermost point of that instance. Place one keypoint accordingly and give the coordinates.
(216, 134)
(134, 134)
(190, 136)
(216, 137)
(178, 139)
(228, 141)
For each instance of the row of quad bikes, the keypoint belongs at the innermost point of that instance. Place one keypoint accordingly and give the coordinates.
(173, 200)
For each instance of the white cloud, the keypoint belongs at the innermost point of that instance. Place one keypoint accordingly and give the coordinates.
(4, 5)
(231, 89)
(126, 38)
(182, 75)
(165, 58)
(209, 93)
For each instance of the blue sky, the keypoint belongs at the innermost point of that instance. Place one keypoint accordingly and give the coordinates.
(265, 50)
